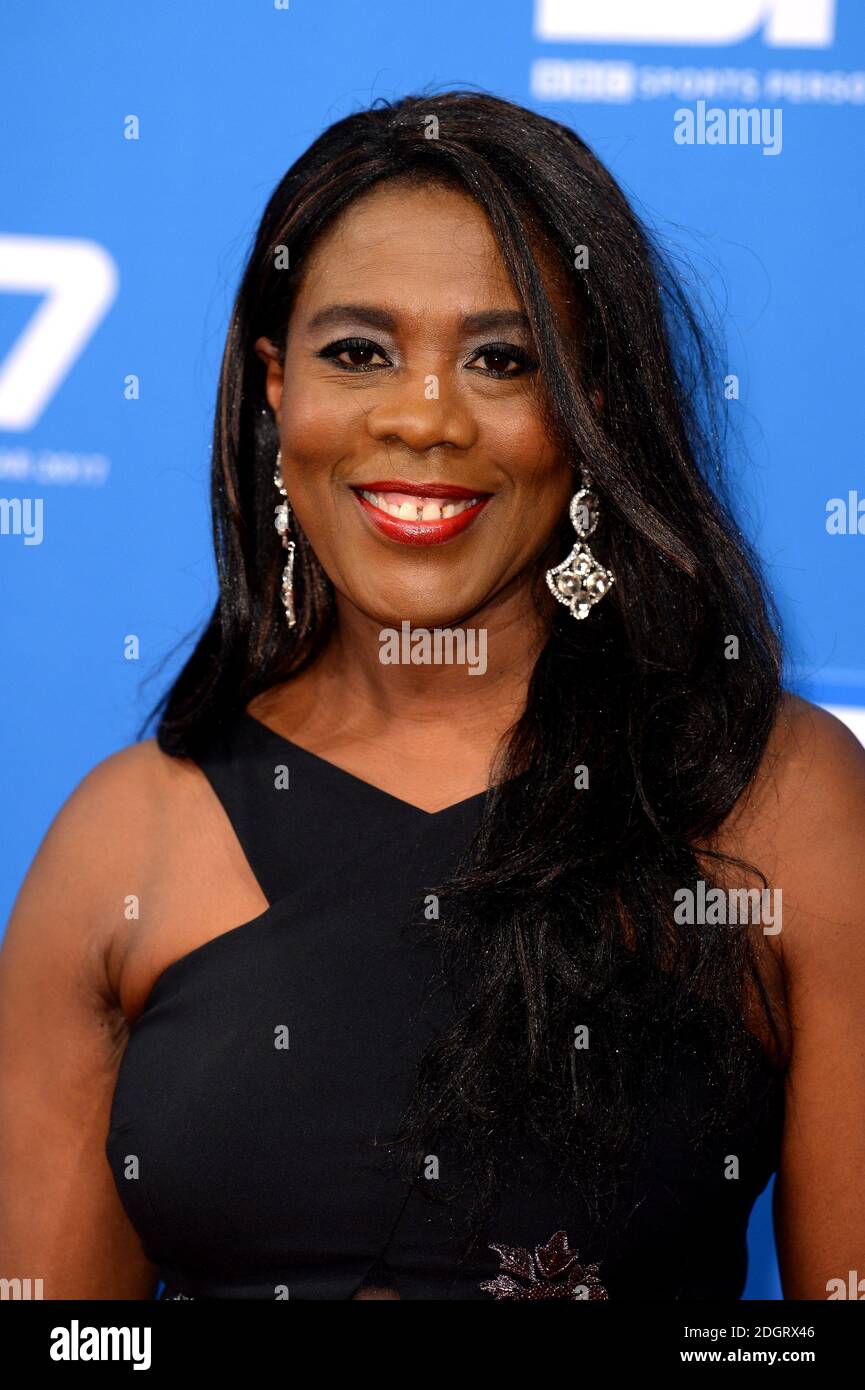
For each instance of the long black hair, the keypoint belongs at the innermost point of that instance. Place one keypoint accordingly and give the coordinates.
(666, 694)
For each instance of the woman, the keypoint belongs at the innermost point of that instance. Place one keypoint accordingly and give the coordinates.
(405, 961)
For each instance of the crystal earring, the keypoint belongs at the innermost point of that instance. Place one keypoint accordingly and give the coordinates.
(281, 521)
(579, 581)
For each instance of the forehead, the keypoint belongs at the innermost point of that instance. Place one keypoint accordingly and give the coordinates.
(429, 250)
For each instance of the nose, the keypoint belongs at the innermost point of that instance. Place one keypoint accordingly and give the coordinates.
(422, 413)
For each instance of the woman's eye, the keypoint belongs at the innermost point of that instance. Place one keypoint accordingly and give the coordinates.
(497, 360)
(359, 351)
(502, 358)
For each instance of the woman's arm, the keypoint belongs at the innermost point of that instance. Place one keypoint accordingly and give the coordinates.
(61, 1040)
(805, 827)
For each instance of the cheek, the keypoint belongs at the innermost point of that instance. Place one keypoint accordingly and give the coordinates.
(534, 465)
(315, 424)
(514, 432)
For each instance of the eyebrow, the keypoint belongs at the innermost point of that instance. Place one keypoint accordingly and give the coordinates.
(490, 321)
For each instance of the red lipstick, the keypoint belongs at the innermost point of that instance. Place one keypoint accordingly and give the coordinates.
(419, 531)
(449, 490)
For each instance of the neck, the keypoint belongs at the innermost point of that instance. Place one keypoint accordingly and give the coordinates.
(396, 686)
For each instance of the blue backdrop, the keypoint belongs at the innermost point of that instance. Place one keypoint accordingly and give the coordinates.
(140, 143)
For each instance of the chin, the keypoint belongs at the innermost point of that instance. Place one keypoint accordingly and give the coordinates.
(395, 604)
(419, 616)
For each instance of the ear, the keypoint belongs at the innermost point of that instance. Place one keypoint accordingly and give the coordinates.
(274, 378)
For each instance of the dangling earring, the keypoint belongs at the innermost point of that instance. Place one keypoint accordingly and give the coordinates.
(281, 521)
(579, 581)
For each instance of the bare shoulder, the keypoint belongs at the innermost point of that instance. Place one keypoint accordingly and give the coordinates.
(811, 778)
(107, 825)
(104, 838)
(802, 823)
(808, 741)
(134, 781)
(140, 865)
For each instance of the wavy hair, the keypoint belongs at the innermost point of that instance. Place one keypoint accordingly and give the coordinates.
(562, 912)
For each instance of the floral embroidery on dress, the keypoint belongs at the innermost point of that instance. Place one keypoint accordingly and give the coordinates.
(553, 1271)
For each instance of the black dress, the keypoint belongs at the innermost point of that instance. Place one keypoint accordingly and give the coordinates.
(270, 1064)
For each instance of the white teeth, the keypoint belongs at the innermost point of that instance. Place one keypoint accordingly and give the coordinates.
(423, 509)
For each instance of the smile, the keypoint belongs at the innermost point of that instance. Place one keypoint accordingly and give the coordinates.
(422, 514)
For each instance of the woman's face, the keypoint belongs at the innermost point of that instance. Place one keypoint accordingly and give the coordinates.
(409, 390)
